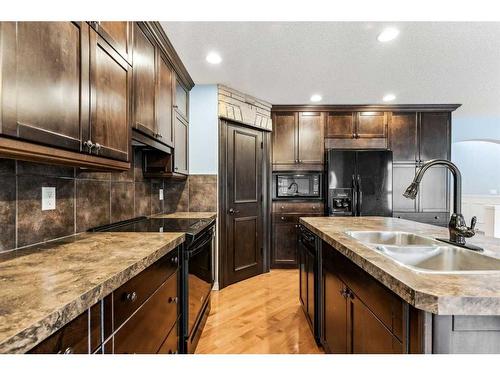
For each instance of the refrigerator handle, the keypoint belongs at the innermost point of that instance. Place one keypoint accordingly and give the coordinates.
(354, 197)
(360, 194)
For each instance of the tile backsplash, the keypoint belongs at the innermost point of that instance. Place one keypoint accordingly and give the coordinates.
(88, 199)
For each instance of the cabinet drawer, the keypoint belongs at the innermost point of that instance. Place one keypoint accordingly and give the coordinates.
(73, 338)
(125, 302)
(171, 343)
(434, 218)
(384, 304)
(147, 329)
(298, 207)
(285, 219)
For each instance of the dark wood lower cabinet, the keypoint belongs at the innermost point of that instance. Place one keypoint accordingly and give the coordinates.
(359, 315)
(142, 316)
(285, 230)
(368, 334)
(335, 313)
(148, 327)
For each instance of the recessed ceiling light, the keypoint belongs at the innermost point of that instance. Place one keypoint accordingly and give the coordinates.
(316, 98)
(389, 97)
(388, 34)
(214, 58)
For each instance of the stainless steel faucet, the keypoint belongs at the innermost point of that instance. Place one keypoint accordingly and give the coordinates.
(457, 227)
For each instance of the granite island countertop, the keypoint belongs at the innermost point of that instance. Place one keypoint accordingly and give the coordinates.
(44, 287)
(437, 293)
(187, 215)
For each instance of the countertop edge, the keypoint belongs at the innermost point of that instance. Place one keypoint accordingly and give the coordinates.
(28, 338)
(431, 303)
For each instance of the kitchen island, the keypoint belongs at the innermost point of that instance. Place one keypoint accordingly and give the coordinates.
(420, 312)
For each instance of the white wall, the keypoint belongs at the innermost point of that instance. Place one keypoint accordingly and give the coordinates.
(203, 130)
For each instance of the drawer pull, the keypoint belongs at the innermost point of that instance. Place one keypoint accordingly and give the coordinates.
(283, 218)
(173, 299)
(175, 260)
(282, 207)
(436, 217)
(131, 297)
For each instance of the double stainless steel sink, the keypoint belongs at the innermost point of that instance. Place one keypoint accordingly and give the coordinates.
(425, 254)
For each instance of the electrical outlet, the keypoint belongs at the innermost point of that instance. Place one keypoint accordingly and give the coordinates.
(161, 194)
(48, 198)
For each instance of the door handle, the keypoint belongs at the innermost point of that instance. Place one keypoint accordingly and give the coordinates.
(232, 211)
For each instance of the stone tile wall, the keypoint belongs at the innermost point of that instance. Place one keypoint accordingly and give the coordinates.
(88, 199)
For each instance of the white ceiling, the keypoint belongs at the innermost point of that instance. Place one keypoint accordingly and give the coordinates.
(284, 63)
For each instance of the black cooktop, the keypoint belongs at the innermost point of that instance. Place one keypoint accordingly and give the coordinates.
(191, 227)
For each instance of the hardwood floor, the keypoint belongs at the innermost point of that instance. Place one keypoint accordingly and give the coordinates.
(261, 315)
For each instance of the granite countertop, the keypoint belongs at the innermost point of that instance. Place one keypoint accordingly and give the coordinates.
(444, 294)
(187, 215)
(44, 287)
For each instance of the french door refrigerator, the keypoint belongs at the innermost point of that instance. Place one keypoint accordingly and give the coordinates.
(359, 183)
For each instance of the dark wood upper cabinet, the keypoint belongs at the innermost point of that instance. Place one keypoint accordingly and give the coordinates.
(164, 108)
(340, 125)
(434, 137)
(144, 62)
(118, 34)
(311, 137)
(181, 99)
(45, 81)
(110, 82)
(403, 136)
(345, 125)
(181, 139)
(284, 138)
(298, 139)
(371, 125)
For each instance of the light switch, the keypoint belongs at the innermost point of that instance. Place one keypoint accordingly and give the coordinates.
(48, 198)
(161, 194)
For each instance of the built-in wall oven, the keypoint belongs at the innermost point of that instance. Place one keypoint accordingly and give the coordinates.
(297, 185)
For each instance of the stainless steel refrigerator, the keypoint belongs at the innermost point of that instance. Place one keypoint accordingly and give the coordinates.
(359, 183)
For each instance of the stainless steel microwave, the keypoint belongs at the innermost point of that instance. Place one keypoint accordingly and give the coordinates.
(296, 185)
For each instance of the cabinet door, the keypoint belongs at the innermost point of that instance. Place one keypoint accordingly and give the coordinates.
(284, 138)
(371, 125)
(402, 176)
(340, 125)
(164, 121)
(181, 99)
(118, 34)
(368, 333)
(181, 139)
(434, 191)
(284, 245)
(310, 138)
(403, 136)
(434, 138)
(144, 62)
(335, 313)
(44, 70)
(110, 78)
